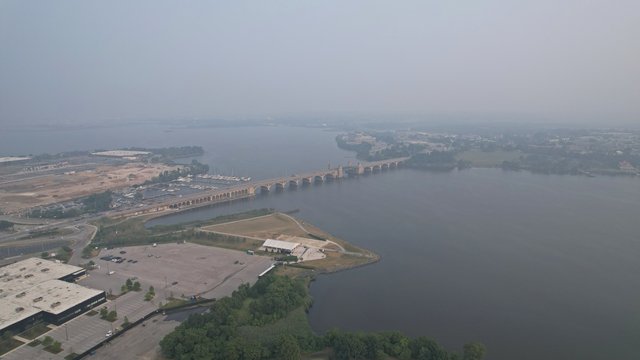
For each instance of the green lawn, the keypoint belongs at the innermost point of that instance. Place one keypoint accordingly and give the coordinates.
(35, 331)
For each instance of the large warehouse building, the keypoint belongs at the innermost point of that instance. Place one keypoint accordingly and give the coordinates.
(35, 290)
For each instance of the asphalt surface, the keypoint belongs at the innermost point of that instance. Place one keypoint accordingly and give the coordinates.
(143, 341)
(83, 332)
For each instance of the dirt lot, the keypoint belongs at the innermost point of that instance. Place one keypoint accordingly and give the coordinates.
(263, 227)
(18, 195)
(178, 269)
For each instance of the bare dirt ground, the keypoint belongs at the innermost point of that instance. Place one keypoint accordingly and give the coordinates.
(263, 227)
(19, 195)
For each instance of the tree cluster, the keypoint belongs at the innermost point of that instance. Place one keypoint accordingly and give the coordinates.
(130, 285)
(97, 202)
(108, 315)
(222, 332)
(435, 160)
(150, 294)
(395, 345)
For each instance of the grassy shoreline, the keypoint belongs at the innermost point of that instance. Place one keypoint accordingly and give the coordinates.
(242, 231)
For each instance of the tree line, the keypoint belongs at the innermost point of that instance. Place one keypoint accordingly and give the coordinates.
(222, 332)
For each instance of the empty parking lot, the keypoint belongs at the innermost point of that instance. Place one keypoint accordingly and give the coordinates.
(178, 269)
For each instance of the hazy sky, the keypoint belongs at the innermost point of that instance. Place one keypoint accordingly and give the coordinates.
(75, 61)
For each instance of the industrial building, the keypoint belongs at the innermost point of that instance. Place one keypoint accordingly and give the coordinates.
(279, 246)
(35, 290)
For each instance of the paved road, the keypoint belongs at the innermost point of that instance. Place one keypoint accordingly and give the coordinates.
(143, 341)
(88, 231)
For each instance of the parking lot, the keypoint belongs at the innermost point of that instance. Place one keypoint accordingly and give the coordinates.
(172, 269)
(83, 332)
(177, 269)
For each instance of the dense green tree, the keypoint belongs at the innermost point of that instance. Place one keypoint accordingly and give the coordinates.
(98, 202)
(287, 348)
(48, 340)
(423, 348)
(473, 351)
(56, 347)
(220, 333)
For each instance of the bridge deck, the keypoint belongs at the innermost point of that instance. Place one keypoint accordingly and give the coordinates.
(245, 190)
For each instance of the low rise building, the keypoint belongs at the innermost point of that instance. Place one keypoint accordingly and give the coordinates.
(35, 290)
(279, 246)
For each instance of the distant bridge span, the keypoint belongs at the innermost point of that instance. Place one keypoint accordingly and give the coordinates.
(250, 189)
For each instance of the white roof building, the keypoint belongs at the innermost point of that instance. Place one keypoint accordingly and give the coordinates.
(36, 288)
(279, 245)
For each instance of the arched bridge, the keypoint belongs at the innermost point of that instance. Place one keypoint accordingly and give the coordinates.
(250, 189)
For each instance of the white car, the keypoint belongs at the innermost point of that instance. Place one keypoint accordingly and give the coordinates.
(109, 333)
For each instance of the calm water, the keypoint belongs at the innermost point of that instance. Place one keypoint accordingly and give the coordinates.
(259, 152)
(534, 266)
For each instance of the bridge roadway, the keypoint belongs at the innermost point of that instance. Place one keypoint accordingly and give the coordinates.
(250, 189)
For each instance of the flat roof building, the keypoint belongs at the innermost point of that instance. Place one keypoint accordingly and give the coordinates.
(35, 289)
(279, 246)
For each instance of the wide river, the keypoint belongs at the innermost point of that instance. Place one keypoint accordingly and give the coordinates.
(534, 266)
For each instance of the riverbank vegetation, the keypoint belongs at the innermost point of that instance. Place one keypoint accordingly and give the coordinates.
(545, 151)
(90, 204)
(244, 235)
(435, 160)
(130, 232)
(247, 228)
(268, 321)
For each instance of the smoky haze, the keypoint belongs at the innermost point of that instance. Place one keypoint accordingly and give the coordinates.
(86, 61)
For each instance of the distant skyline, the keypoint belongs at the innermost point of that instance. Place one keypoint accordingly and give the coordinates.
(74, 62)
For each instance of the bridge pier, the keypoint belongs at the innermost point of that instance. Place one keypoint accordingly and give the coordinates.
(265, 186)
